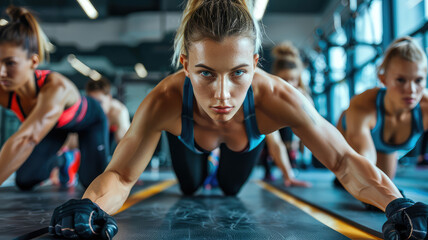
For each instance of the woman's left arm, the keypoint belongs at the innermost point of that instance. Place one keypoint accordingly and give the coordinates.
(357, 174)
(49, 107)
(281, 105)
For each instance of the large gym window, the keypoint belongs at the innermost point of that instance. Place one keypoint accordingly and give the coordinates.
(409, 15)
(368, 26)
(369, 32)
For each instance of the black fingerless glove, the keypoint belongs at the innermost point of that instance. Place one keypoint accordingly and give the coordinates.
(82, 219)
(406, 220)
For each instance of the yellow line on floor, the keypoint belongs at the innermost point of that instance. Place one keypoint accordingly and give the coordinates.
(336, 224)
(146, 193)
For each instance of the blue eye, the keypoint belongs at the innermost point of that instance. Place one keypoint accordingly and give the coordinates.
(239, 73)
(206, 74)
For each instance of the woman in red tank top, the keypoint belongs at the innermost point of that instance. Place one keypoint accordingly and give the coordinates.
(47, 103)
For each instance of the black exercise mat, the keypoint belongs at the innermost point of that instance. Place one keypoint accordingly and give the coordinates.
(24, 212)
(343, 205)
(413, 172)
(254, 214)
(414, 180)
(337, 202)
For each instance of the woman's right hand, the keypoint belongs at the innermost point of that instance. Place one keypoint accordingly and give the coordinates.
(82, 219)
(296, 183)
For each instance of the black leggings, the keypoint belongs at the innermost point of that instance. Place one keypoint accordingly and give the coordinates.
(191, 168)
(93, 144)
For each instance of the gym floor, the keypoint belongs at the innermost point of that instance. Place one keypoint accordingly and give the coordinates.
(157, 210)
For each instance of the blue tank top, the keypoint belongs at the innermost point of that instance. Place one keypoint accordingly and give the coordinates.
(377, 132)
(254, 136)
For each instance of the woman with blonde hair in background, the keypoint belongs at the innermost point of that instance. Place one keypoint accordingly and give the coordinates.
(384, 123)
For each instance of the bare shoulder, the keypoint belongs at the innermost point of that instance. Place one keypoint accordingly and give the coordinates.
(168, 93)
(268, 87)
(163, 103)
(364, 102)
(117, 110)
(362, 111)
(171, 86)
(276, 102)
(118, 106)
(60, 86)
(56, 79)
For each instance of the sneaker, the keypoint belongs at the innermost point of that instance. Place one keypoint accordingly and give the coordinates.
(67, 172)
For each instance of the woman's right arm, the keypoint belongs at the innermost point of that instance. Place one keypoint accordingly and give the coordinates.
(89, 217)
(110, 189)
(159, 111)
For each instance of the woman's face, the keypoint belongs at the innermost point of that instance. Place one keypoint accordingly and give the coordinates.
(221, 73)
(405, 82)
(15, 67)
(292, 76)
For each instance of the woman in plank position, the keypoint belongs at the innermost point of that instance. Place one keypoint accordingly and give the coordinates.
(384, 124)
(221, 99)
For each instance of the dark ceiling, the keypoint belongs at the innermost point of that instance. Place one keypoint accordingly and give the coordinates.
(66, 10)
(155, 55)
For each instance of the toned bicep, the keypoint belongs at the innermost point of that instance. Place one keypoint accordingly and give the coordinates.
(289, 107)
(324, 141)
(360, 177)
(322, 138)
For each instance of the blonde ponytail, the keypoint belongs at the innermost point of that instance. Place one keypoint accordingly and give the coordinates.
(216, 20)
(286, 56)
(405, 48)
